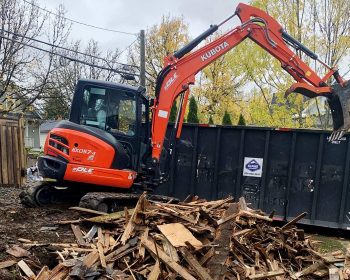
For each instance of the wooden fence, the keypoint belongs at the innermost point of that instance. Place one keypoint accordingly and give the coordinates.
(12, 152)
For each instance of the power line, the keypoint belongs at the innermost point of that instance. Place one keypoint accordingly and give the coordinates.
(129, 47)
(67, 49)
(121, 72)
(81, 23)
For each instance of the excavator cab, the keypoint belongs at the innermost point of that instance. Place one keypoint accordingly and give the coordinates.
(105, 138)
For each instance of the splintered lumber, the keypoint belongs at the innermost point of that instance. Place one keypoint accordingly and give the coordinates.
(78, 235)
(196, 266)
(43, 274)
(155, 272)
(216, 264)
(178, 235)
(156, 251)
(109, 218)
(294, 221)
(132, 222)
(86, 210)
(266, 275)
(26, 269)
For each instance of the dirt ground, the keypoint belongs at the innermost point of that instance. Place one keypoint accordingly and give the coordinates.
(17, 221)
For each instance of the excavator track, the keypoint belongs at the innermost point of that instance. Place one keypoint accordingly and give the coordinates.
(111, 202)
(44, 193)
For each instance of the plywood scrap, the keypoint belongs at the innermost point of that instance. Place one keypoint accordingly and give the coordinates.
(178, 235)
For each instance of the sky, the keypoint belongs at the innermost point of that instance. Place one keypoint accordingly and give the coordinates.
(133, 15)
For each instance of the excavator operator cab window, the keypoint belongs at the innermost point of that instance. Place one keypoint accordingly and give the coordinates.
(112, 110)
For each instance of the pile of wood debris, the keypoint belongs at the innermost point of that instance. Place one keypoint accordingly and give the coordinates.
(194, 239)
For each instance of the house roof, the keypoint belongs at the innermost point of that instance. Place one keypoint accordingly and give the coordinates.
(48, 125)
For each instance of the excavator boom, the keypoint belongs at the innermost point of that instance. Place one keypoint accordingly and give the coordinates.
(181, 67)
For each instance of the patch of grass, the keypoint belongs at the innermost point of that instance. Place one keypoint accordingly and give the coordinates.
(327, 244)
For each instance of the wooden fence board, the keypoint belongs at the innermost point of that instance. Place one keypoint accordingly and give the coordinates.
(12, 152)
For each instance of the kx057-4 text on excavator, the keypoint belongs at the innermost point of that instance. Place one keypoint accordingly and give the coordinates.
(111, 147)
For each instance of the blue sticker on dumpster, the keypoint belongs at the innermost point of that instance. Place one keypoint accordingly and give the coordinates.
(252, 167)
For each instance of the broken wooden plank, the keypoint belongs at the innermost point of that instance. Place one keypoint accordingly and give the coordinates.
(266, 275)
(132, 222)
(155, 272)
(101, 254)
(293, 221)
(196, 266)
(78, 235)
(216, 264)
(87, 210)
(43, 274)
(26, 269)
(156, 251)
(108, 218)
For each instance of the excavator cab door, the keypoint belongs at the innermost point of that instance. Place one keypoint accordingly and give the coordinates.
(115, 108)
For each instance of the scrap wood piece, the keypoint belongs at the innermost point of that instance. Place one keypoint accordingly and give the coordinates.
(334, 273)
(142, 249)
(17, 251)
(243, 250)
(308, 270)
(90, 259)
(156, 252)
(78, 235)
(101, 254)
(169, 249)
(223, 234)
(109, 218)
(254, 215)
(43, 274)
(195, 265)
(155, 272)
(6, 264)
(266, 275)
(140, 206)
(178, 235)
(26, 269)
(176, 214)
(293, 221)
(87, 210)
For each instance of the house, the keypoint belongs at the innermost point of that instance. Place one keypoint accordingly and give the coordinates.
(44, 129)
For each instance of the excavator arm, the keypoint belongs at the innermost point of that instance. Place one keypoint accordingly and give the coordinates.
(181, 67)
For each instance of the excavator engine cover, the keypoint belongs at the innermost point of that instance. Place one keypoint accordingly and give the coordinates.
(339, 104)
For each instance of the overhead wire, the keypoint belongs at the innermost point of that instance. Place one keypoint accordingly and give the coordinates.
(67, 49)
(121, 72)
(79, 22)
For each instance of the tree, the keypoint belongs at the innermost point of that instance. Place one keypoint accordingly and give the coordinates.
(173, 112)
(241, 120)
(192, 116)
(211, 121)
(226, 120)
(161, 40)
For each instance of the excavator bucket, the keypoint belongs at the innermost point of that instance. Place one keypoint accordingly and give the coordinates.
(339, 104)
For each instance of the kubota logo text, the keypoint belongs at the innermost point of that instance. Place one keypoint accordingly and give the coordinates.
(81, 169)
(214, 51)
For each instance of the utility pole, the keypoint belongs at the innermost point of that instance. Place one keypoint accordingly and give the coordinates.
(142, 58)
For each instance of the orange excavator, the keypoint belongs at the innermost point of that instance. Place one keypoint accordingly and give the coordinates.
(111, 150)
